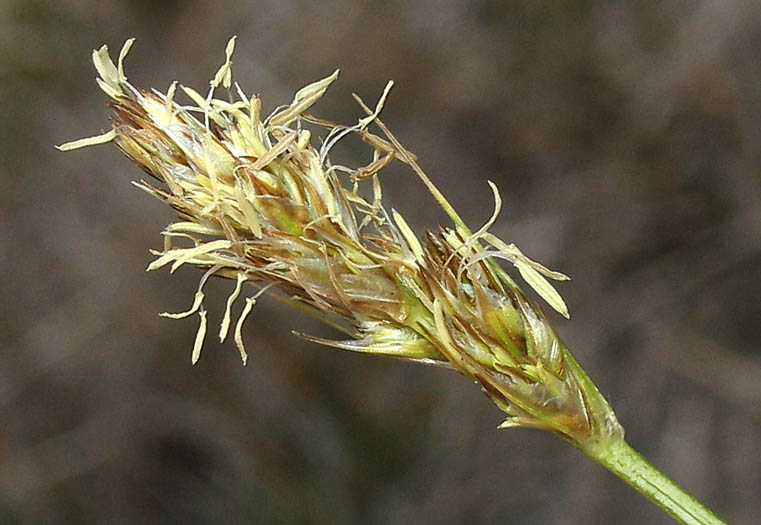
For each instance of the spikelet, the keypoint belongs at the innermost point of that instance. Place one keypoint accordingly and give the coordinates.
(259, 203)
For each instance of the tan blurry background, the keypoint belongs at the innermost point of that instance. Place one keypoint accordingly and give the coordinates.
(626, 140)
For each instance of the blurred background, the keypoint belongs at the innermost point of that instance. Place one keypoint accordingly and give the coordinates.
(626, 140)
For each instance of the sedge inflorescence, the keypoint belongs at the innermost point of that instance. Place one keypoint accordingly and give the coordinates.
(260, 203)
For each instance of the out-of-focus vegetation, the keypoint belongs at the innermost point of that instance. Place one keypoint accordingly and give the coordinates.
(626, 140)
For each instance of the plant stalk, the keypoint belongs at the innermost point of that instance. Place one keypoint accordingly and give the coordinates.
(629, 465)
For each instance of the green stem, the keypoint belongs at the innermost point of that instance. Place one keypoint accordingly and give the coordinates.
(628, 464)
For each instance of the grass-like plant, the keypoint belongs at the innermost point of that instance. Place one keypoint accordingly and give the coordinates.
(260, 203)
